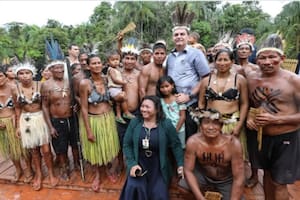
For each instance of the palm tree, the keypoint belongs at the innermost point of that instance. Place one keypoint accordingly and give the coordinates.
(288, 22)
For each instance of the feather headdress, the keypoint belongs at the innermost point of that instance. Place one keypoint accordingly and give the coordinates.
(145, 47)
(27, 66)
(226, 40)
(130, 47)
(198, 114)
(222, 45)
(54, 54)
(245, 38)
(91, 48)
(56, 57)
(272, 43)
(182, 18)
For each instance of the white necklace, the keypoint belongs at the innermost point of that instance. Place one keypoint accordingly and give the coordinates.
(219, 91)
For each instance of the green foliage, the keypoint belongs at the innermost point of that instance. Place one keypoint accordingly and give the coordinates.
(153, 22)
(288, 24)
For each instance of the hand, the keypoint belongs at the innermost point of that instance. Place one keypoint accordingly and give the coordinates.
(133, 170)
(251, 124)
(182, 98)
(180, 172)
(265, 118)
(120, 36)
(18, 133)
(53, 132)
(236, 131)
(2, 126)
(91, 137)
(75, 108)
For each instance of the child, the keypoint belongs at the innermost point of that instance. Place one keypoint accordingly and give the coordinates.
(75, 68)
(173, 111)
(115, 87)
(46, 74)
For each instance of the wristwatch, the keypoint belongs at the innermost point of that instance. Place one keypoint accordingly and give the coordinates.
(191, 96)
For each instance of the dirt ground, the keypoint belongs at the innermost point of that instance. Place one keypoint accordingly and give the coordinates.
(25, 192)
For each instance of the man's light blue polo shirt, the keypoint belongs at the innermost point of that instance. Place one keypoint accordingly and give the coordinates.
(186, 69)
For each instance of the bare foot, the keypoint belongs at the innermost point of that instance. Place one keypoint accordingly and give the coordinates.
(64, 174)
(112, 176)
(17, 176)
(28, 175)
(96, 185)
(37, 184)
(53, 181)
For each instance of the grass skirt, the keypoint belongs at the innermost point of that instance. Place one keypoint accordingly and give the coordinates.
(34, 130)
(106, 147)
(10, 145)
(229, 124)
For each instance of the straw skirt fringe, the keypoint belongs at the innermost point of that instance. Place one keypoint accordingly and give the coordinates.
(34, 130)
(228, 127)
(107, 146)
(10, 145)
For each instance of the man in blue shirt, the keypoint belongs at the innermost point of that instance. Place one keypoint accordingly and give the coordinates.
(187, 66)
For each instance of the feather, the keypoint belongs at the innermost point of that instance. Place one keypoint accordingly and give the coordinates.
(53, 50)
(274, 41)
(182, 17)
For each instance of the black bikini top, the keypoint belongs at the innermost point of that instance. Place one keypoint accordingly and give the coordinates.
(96, 97)
(36, 96)
(8, 104)
(229, 95)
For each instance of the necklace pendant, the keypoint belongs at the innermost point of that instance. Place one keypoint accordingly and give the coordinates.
(64, 94)
(145, 143)
(220, 93)
(215, 82)
(148, 153)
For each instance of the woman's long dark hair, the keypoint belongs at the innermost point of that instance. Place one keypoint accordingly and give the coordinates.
(157, 105)
(160, 81)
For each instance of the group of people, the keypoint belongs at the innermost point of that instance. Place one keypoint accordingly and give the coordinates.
(215, 118)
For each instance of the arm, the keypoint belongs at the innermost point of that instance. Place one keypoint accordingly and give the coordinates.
(266, 118)
(181, 118)
(46, 107)
(196, 91)
(244, 104)
(202, 100)
(143, 82)
(202, 69)
(76, 82)
(128, 148)
(83, 89)
(113, 74)
(189, 165)
(120, 39)
(184, 98)
(18, 110)
(237, 165)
